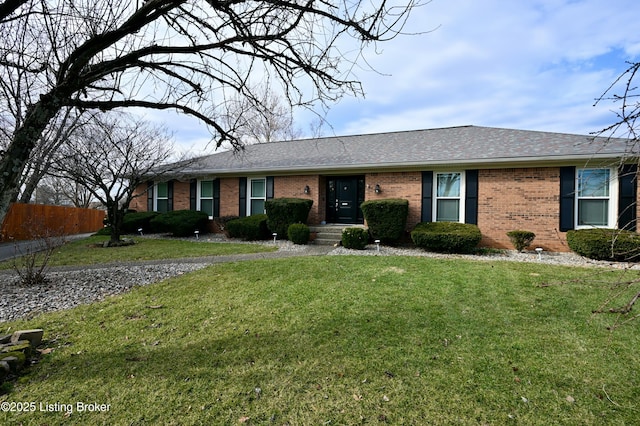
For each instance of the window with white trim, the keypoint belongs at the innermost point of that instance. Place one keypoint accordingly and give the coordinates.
(161, 200)
(449, 191)
(205, 197)
(257, 196)
(596, 197)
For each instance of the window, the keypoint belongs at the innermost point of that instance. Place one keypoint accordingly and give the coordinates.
(162, 197)
(595, 203)
(257, 196)
(206, 197)
(449, 197)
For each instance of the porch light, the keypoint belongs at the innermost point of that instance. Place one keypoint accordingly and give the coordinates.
(377, 189)
(307, 190)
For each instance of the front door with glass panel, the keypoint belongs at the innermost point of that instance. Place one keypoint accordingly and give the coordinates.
(344, 196)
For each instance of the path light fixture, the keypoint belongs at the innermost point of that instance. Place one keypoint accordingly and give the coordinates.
(274, 235)
(140, 231)
(377, 244)
(377, 188)
(197, 234)
(307, 190)
(539, 251)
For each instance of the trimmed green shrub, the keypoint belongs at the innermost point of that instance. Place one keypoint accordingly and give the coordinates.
(134, 221)
(446, 237)
(250, 228)
(355, 238)
(521, 239)
(605, 244)
(106, 230)
(282, 212)
(298, 233)
(180, 223)
(386, 218)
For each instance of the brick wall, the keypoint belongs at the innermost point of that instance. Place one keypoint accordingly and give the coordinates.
(406, 185)
(139, 203)
(526, 199)
(229, 197)
(181, 195)
(293, 187)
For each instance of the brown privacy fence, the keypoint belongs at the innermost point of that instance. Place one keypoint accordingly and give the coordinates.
(31, 221)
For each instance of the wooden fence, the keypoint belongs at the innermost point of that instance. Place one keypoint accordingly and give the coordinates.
(32, 221)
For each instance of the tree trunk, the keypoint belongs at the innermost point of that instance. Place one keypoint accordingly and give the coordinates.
(114, 216)
(16, 156)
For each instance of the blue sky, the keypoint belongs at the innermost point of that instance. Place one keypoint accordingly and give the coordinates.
(536, 65)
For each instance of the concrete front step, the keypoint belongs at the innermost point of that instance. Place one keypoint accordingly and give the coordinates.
(330, 234)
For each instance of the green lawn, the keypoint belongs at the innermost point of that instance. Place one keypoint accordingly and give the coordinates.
(89, 250)
(342, 340)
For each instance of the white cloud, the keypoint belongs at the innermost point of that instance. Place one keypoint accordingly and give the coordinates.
(535, 65)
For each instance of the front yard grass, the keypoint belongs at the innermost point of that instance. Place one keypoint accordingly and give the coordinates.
(342, 340)
(89, 251)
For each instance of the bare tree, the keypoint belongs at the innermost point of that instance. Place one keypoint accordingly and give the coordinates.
(110, 158)
(623, 94)
(184, 55)
(271, 120)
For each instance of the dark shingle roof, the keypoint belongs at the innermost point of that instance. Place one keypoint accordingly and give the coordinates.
(455, 146)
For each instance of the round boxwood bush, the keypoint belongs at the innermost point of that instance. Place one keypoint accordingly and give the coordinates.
(180, 223)
(605, 244)
(521, 239)
(298, 233)
(355, 238)
(446, 237)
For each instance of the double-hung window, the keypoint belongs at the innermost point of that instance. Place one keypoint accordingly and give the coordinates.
(206, 197)
(595, 197)
(257, 196)
(162, 197)
(449, 197)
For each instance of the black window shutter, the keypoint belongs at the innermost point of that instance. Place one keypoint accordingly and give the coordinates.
(628, 186)
(269, 187)
(471, 197)
(149, 196)
(170, 196)
(567, 197)
(242, 208)
(216, 198)
(193, 194)
(427, 191)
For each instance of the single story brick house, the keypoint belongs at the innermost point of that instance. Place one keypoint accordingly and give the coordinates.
(499, 179)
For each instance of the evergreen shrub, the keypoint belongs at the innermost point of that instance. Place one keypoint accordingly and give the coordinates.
(521, 239)
(386, 219)
(605, 244)
(250, 228)
(446, 237)
(180, 223)
(283, 212)
(355, 238)
(298, 233)
(134, 221)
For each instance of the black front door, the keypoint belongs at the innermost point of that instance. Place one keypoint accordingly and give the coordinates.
(344, 196)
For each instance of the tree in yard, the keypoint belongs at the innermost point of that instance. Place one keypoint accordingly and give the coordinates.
(110, 158)
(184, 55)
(251, 125)
(623, 93)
